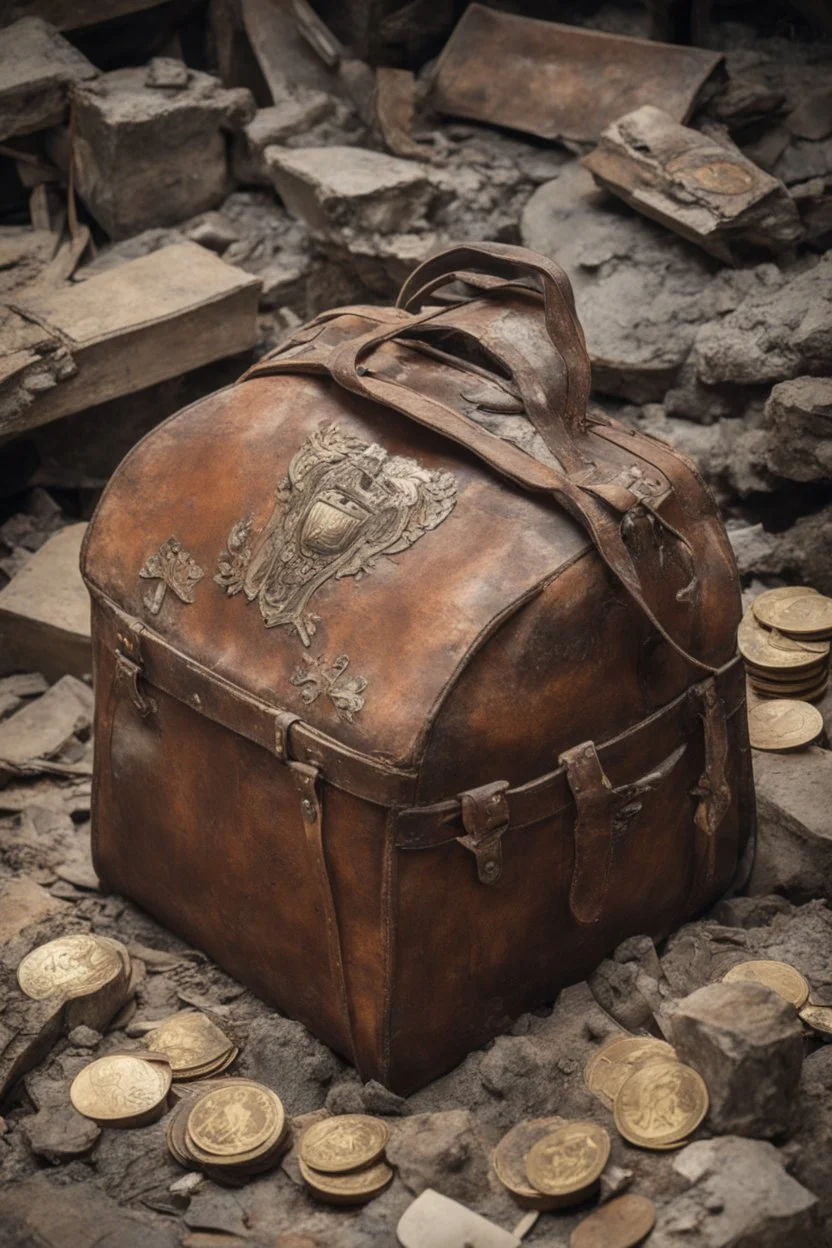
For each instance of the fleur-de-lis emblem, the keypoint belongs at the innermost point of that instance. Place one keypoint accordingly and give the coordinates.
(346, 693)
(174, 569)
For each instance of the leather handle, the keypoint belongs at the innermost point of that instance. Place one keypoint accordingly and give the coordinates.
(566, 339)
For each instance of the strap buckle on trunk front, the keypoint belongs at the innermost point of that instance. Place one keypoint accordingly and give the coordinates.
(485, 817)
(129, 666)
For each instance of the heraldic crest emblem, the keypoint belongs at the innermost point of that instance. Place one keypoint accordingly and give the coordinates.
(343, 503)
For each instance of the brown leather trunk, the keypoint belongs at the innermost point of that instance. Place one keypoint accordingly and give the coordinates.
(416, 682)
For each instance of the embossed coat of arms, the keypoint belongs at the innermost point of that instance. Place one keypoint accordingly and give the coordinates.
(343, 503)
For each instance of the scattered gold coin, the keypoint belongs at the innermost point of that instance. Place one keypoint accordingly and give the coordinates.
(809, 615)
(569, 1160)
(71, 966)
(783, 724)
(238, 1119)
(818, 1017)
(509, 1159)
(782, 978)
(194, 1046)
(354, 1187)
(122, 1090)
(660, 1105)
(616, 1060)
(621, 1223)
(344, 1142)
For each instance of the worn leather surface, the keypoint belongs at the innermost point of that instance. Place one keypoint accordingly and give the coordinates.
(547, 652)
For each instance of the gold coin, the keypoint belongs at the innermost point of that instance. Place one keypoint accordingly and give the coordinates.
(809, 615)
(344, 1142)
(763, 603)
(616, 1060)
(117, 1089)
(238, 1118)
(771, 650)
(71, 966)
(352, 1188)
(818, 1017)
(783, 724)
(621, 1223)
(190, 1042)
(509, 1159)
(791, 692)
(568, 1160)
(779, 976)
(660, 1105)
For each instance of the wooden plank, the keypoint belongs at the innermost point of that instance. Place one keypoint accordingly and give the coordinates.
(45, 612)
(75, 14)
(140, 323)
(37, 68)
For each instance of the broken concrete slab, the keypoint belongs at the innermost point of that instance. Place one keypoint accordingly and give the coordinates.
(794, 837)
(294, 114)
(37, 68)
(338, 189)
(45, 611)
(739, 1196)
(41, 729)
(706, 191)
(138, 324)
(747, 1044)
(798, 416)
(561, 82)
(35, 1212)
(772, 336)
(133, 140)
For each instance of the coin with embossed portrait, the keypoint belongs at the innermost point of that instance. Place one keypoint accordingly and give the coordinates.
(783, 724)
(71, 966)
(239, 1118)
(121, 1089)
(569, 1160)
(343, 1143)
(193, 1045)
(660, 1105)
(616, 1060)
(509, 1159)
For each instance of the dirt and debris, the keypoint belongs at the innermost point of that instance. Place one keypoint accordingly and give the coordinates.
(180, 187)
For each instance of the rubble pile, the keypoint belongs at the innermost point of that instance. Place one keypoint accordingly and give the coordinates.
(181, 187)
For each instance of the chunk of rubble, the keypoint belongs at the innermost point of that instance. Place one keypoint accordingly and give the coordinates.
(813, 199)
(133, 141)
(747, 1044)
(441, 1151)
(294, 114)
(773, 335)
(640, 295)
(794, 835)
(37, 1212)
(706, 191)
(799, 419)
(60, 1134)
(813, 1138)
(812, 119)
(42, 729)
(340, 190)
(45, 611)
(37, 68)
(152, 318)
(739, 1196)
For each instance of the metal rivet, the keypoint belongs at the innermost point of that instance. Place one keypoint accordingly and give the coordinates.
(197, 700)
(308, 809)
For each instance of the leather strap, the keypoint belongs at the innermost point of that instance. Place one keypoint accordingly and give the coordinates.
(713, 789)
(485, 819)
(597, 804)
(306, 780)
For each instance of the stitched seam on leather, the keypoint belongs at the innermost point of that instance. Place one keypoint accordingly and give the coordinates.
(389, 915)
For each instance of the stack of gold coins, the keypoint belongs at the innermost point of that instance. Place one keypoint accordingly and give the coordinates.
(509, 1160)
(89, 974)
(616, 1060)
(195, 1047)
(661, 1105)
(342, 1159)
(122, 1089)
(564, 1165)
(784, 639)
(234, 1129)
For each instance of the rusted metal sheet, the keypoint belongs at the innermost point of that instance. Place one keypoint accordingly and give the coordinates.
(705, 190)
(561, 82)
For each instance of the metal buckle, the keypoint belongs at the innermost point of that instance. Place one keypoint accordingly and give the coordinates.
(485, 817)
